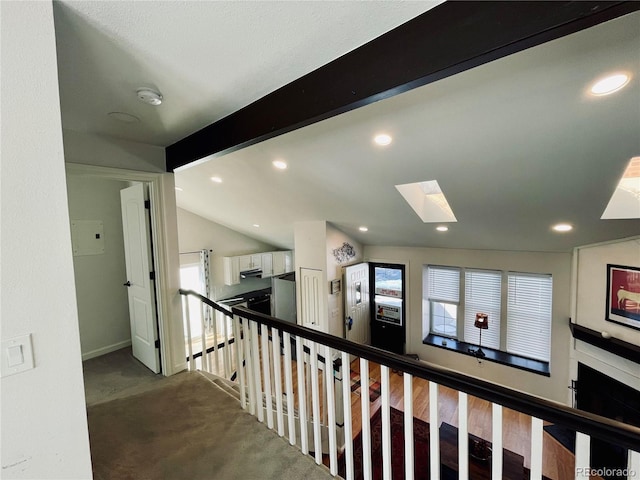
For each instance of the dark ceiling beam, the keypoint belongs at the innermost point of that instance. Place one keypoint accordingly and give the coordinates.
(453, 37)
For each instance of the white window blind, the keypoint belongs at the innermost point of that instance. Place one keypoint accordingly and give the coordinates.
(482, 295)
(529, 315)
(443, 284)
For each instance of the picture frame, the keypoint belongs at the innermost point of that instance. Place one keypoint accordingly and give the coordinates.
(335, 286)
(623, 295)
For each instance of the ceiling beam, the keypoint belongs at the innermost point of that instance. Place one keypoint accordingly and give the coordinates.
(452, 37)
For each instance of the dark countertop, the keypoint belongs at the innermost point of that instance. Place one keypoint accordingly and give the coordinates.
(243, 297)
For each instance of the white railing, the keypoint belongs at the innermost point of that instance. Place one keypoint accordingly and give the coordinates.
(309, 402)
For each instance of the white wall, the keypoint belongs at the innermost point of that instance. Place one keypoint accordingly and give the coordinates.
(590, 287)
(44, 425)
(557, 264)
(335, 239)
(197, 233)
(103, 308)
(105, 151)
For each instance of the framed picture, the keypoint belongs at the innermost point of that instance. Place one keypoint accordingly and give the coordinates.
(623, 295)
(335, 287)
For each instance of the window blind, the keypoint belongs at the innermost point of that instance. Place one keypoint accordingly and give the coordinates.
(443, 284)
(482, 295)
(529, 315)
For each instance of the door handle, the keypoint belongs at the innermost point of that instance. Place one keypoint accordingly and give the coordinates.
(349, 323)
(128, 284)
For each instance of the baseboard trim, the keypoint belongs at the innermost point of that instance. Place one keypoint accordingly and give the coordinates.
(104, 350)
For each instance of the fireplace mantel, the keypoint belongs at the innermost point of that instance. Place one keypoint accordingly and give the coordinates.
(616, 346)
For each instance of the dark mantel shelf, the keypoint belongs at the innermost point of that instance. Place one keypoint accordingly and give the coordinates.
(613, 345)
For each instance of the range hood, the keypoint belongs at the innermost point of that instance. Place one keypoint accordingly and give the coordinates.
(253, 273)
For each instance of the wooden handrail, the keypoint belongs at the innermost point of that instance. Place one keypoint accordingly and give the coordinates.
(204, 299)
(596, 426)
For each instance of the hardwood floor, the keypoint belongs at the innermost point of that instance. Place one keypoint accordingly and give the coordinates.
(558, 462)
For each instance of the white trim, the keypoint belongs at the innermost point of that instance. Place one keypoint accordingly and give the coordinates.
(98, 352)
(161, 186)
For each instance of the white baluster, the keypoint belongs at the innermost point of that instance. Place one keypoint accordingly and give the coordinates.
(434, 433)
(536, 448)
(277, 379)
(187, 322)
(348, 430)
(266, 374)
(248, 361)
(463, 437)
(205, 356)
(288, 380)
(408, 427)
(240, 372)
(317, 441)
(386, 422)
(366, 419)
(302, 396)
(496, 441)
(633, 465)
(582, 447)
(331, 411)
(214, 332)
(255, 354)
(226, 351)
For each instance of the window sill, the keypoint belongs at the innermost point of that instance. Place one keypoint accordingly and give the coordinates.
(491, 355)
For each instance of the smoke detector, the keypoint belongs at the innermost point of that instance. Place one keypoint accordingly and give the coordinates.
(150, 96)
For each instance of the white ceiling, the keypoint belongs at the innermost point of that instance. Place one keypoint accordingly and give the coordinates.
(208, 58)
(516, 145)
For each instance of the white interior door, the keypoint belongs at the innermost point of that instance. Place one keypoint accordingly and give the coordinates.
(312, 307)
(137, 249)
(356, 303)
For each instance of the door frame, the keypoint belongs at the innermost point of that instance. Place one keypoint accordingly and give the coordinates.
(165, 255)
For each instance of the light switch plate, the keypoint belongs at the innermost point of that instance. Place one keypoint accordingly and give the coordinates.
(18, 353)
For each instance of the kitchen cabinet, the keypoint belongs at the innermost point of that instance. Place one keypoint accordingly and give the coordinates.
(250, 262)
(282, 262)
(231, 270)
(271, 264)
(267, 264)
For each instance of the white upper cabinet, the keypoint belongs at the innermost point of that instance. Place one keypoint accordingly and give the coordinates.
(271, 263)
(267, 264)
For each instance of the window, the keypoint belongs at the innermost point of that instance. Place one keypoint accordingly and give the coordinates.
(529, 315)
(443, 293)
(518, 306)
(482, 295)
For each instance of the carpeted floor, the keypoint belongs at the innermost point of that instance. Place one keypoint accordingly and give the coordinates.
(188, 429)
(116, 375)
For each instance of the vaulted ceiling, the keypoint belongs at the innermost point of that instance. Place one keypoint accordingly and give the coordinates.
(516, 145)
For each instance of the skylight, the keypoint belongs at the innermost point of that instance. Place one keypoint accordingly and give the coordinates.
(625, 201)
(428, 201)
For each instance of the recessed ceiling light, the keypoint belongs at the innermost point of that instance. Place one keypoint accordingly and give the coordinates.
(256, 225)
(149, 96)
(382, 139)
(562, 227)
(610, 84)
(442, 228)
(280, 164)
(216, 179)
(363, 229)
(123, 117)
(178, 189)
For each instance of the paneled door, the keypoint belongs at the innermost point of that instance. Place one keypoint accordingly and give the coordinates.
(140, 288)
(356, 303)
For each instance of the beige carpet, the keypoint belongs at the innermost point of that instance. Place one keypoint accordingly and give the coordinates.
(188, 429)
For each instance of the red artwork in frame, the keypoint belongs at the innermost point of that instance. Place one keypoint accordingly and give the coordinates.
(623, 295)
